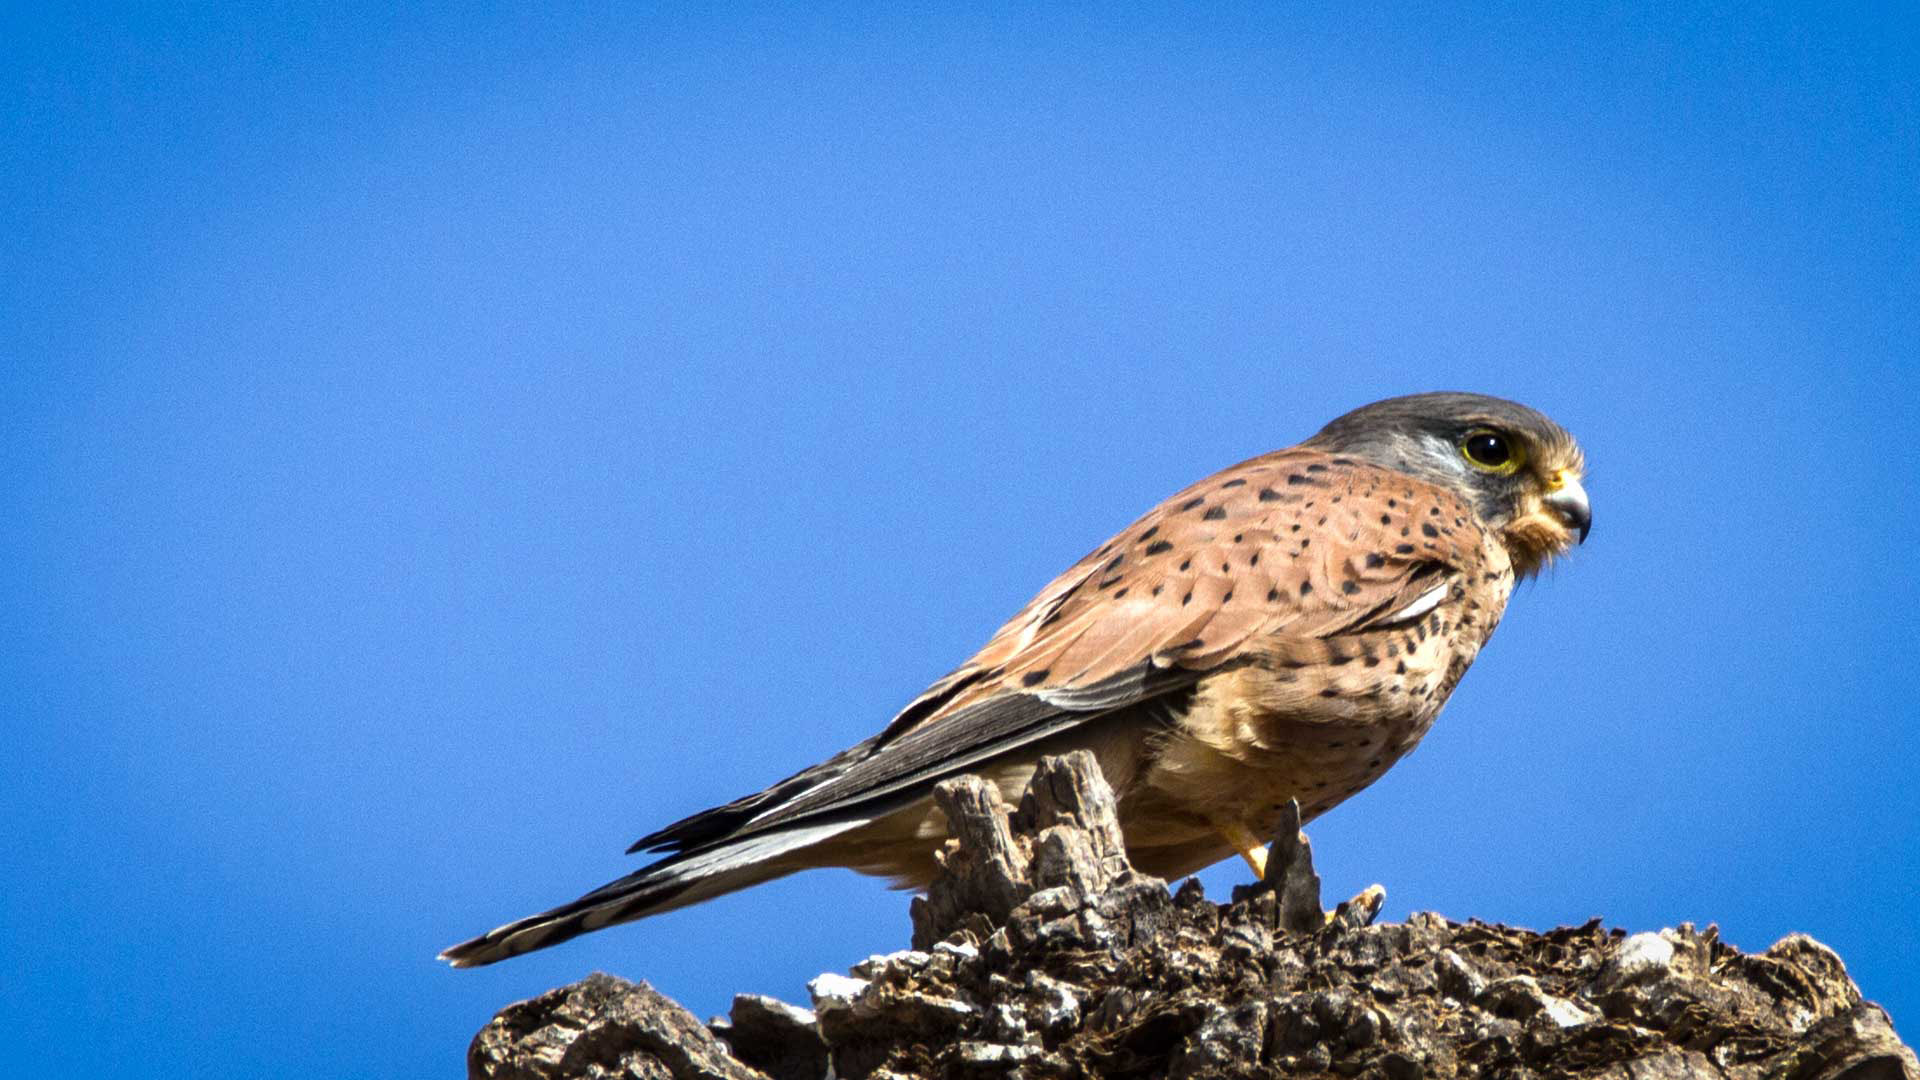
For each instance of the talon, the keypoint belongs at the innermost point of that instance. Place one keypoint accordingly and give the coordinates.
(1361, 910)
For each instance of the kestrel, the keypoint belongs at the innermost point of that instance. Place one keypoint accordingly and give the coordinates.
(1285, 629)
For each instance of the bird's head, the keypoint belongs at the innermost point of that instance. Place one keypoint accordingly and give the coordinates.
(1519, 470)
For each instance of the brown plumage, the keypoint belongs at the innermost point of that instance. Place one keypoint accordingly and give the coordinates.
(1287, 628)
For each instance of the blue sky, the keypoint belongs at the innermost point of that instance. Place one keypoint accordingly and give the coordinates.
(443, 446)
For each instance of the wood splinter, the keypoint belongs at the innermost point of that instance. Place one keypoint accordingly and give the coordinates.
(1289, 869)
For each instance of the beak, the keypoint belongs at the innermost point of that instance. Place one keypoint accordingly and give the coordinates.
(1569, 501)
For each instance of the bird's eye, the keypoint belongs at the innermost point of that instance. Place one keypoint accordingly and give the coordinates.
(1490, 451)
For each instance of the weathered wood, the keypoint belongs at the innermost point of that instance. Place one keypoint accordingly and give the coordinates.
(600, 1026)
(1069, 810)
(1290, 872)
(983, 869)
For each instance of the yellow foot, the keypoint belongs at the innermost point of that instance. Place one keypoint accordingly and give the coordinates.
(1362, 909)
(1251, 847)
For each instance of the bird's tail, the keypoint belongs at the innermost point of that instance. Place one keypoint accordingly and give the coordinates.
(673, 882)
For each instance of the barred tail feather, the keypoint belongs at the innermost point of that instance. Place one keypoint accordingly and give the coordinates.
(671, 883)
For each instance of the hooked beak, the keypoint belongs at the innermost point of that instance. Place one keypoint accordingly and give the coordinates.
(1569, 501)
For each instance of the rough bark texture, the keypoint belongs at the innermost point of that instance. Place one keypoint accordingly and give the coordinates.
(1039, 953)
(601, 1027)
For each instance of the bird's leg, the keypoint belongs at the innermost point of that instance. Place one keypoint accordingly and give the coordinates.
(1251, 847)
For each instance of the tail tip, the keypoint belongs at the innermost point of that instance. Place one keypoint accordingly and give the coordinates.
(467, 954)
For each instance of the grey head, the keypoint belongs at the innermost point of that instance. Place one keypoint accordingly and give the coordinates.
(1519, 470)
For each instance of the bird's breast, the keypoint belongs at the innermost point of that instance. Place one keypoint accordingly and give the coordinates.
(1317, 720)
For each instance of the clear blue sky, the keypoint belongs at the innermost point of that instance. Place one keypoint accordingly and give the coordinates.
(441, 446)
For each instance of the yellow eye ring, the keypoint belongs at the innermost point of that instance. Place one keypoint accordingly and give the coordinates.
(1493, 452)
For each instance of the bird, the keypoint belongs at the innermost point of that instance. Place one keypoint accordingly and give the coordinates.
(1280, 632)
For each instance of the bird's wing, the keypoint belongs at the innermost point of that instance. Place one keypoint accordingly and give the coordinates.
(1294, 545)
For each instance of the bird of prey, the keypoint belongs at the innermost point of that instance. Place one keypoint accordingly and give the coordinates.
(1285, 629)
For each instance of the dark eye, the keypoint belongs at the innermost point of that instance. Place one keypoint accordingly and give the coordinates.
(1489, 450)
